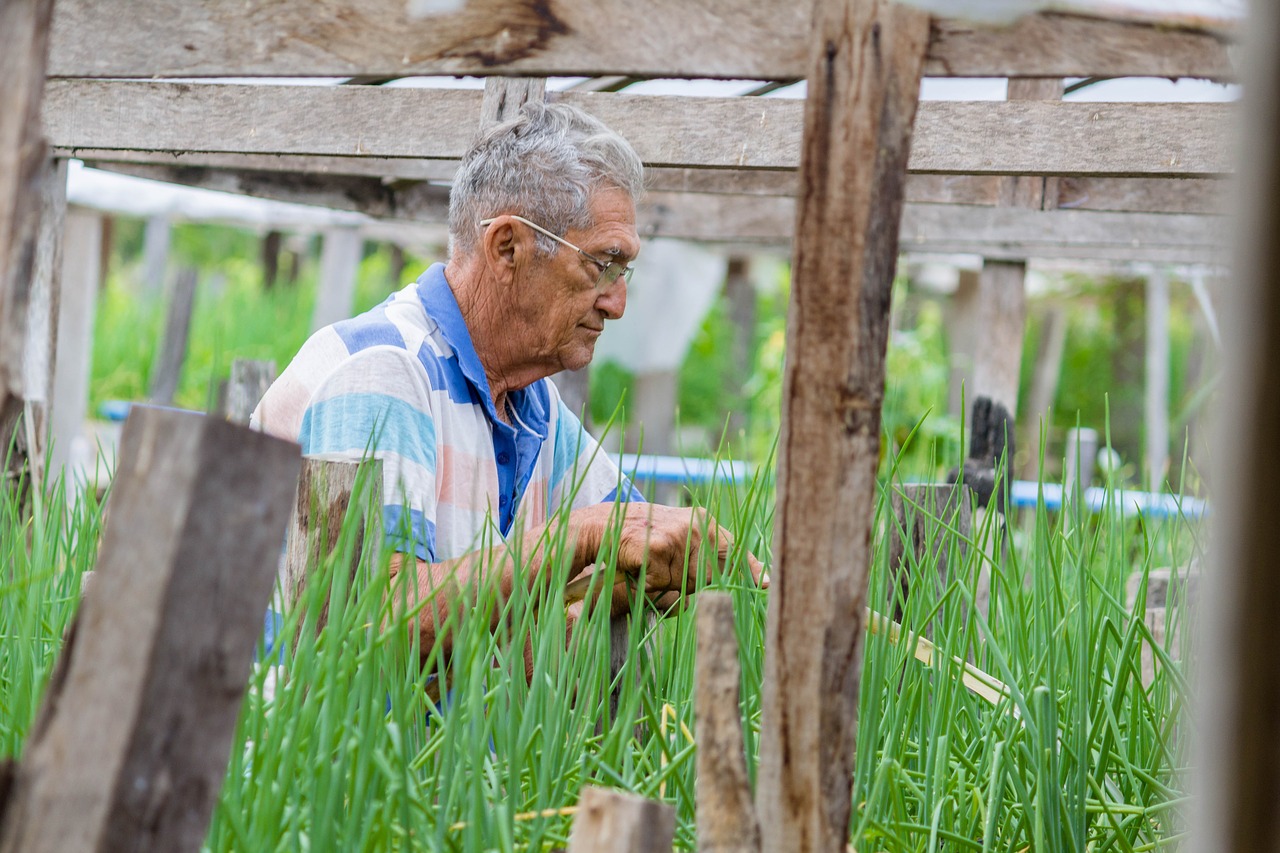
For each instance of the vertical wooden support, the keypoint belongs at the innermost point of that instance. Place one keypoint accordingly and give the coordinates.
(864, 82)
(40, 356)
(653, 412)
(610, 821)
(172, 352)
(1081, 459)
(1002, 311)
(24, 48)
(1044, 382)
(741, 296)
(249, 382)
(155, 254)
(504, 96)
(726, 816)
(1156, 392)
(922, 515)
(575, 390)
(77, 305)
(339, 263)
(962, 334)
(130, 747)
(1239, 680)
(324, 494)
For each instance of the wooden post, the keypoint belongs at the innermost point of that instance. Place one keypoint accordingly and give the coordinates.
(1157, 384)
(323, 497)
(155, 254)
(726, 816)
(77, 305)
(40, 357)
(1002, 296)
(504, 96)
(1044, 384)
(130, 746)
(339, 263)
(24, 48)
(611, 821)
(167, 370)
(1239, 783)
(864, 82)
(962, 333)
(922, 515)
(741, 296)
(575, 390)
(249, 381)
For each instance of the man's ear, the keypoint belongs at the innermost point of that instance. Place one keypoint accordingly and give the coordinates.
(503, 252)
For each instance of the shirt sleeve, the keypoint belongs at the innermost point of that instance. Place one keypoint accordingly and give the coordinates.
(582, 472)
(377, 404)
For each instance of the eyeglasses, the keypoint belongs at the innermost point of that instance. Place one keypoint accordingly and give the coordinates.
(610, 271)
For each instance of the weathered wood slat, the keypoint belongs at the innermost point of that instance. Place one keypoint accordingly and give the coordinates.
(131, 743)
(863, 87)
(927, 227)
(24, 47)
(610, 821)
(726, 815)
(664, 38)
(954, 137)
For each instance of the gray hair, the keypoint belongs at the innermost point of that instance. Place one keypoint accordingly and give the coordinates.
(545, 165)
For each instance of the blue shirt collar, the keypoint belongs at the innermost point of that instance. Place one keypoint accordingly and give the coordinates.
(532, 406)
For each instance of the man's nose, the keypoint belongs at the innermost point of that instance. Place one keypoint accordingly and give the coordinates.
(612, 301)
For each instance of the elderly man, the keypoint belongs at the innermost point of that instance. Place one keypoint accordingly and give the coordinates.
(446, 382)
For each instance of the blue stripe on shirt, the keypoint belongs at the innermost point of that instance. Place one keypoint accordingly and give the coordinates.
(411, 533)
(352, 423)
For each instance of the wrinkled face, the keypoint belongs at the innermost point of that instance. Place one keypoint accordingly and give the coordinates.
(560, 290)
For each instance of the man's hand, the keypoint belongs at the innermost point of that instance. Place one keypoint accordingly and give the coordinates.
(679, 548)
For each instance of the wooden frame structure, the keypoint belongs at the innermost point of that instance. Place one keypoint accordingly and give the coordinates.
(871, 168)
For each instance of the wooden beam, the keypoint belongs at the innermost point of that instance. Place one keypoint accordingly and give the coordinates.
(130, 746)
(1239, 683)
(1155, 421)
(1137, 195)
(664, 38)
(864, 81)
(339, 265)
(166, 369)
(954, 137)
(939, 228)
(24, 46)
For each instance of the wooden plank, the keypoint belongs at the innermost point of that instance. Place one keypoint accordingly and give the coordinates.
(40, 356)
(864, 82)
(24, 47)
(1143, 195)
(77, 306)
(339, 263)
(1155, 390)
(322, 502)
(611, 821)
(1238, 684)
(664, 38)
(504, 96)
(927, 227)
(1136, 195)
(955, 137)
(726, 815)
(130, 746)
(249, 381)
(172, 352)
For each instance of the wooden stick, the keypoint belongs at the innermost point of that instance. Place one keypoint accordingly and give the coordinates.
(611, 821)
(130, 746)
(726, 816)
(167, 371)
(864, 81)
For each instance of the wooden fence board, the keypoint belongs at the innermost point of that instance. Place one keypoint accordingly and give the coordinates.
(954, 137)
(610, 821)
(866, 65)
(663, 38)
(24, 44)
(131, 743)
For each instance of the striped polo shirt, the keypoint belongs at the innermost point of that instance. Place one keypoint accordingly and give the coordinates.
(403, 383)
